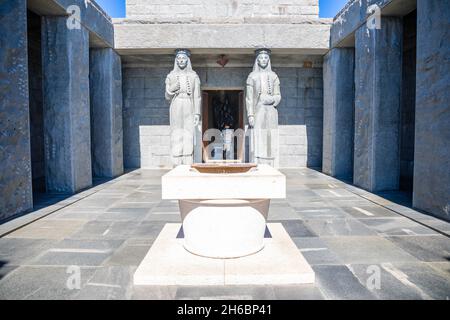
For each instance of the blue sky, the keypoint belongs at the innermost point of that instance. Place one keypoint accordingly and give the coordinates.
(116, 8)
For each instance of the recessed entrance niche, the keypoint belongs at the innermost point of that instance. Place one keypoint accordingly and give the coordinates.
(223, 110)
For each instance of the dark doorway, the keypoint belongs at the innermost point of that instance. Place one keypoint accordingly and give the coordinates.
(223, 110)
(408, 102)
(35, 103)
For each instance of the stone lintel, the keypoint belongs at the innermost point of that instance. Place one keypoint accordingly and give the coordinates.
(92, 17)
(143, 38)
(354, 14)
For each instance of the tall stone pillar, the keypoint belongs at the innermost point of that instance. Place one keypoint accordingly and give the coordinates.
(432, 130)
(338, 129)
(106, 112)
(378, 75)
(15, 157)
(65, 61)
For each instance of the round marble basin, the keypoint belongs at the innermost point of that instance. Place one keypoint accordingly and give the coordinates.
(224, 228)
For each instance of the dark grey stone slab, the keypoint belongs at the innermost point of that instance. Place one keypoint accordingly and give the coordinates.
(175, 218)
(378, 55)
(397, 226)
(316, 251)
(41, 283)
(360, 250)
(339, 283)
(307, 213)
(15, 157)
(20, 251)
(430, 284)
(369, 211)
(338, 77)
(338, 227)
(109, 283)
(65, 59)
(78, 252)
(432, 115)
(391, 284)
(296, 228)
(106, 112)
(128, 256)
(124, 214)
(425, 248)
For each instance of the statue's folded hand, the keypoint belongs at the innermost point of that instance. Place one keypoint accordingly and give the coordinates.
(267, 99)
(174, 87)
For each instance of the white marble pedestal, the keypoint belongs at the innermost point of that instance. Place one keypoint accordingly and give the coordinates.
(168, 263)
(224, 215)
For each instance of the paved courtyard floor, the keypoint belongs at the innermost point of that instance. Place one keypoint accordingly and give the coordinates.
(346, 234)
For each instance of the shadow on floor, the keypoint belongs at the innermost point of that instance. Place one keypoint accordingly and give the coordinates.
(43, 200)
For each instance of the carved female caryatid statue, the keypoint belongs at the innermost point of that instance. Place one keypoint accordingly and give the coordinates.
(183, 92)
(262, 97)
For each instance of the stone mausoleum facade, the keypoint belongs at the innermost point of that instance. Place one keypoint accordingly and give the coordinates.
(365, 97)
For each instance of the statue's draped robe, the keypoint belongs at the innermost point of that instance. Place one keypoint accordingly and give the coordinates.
(260, 83)
(184, 104)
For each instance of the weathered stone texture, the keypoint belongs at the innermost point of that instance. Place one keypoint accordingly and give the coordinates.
(106, 112)
(15, 159)
(214, 9)
(378, 75)
(432, 145)
(66, 106)
(146, 113)
(338, 128)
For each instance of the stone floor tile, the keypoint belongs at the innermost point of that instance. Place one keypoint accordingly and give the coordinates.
(397, 226)
(338, 227)
(425, 248)
(296, 228)
(48, 229)
(109, 283)
(42, 283)
(369, 211)
(339, 283)
(128, 255)
(316, 251)
(360, 250)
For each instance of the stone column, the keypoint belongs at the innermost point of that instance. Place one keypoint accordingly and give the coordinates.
(65, 61)
(432, 130)
(378, 75)
(106, 112)
(338, 129)
(15, 157)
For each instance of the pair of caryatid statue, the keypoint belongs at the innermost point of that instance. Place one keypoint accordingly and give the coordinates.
(262, 97)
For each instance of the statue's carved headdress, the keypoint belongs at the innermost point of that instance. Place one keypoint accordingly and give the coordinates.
(186, 52)
(263, 50)
(256, 66)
